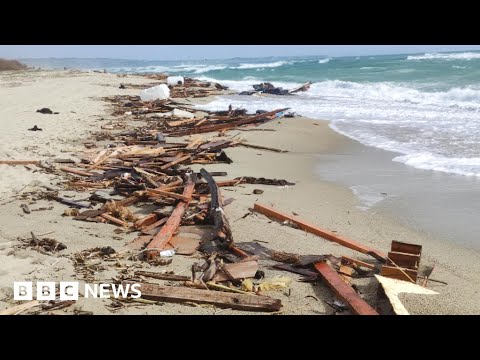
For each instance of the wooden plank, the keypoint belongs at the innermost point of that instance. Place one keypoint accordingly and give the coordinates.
(402, 247)
(399, 273)
(161, 276)
(19, 162)
(217, 298)
(308, 273)
(403, 260)
(345, 273)
(261, 147)
(173, 163)
(76, 172)
(324, 233)
(162, 193)
(114, 220)
(145, 221)
(14, 310)
(164, 236)
(240, 270)
(184, 245)
(358, 262)
(154, 225)
(343, 291)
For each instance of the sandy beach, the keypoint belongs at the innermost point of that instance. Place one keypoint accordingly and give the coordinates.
(325, 203)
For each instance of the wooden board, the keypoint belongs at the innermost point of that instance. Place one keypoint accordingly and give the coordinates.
(324, 233)
(164, 236)
(402, 247)
(358, 262)
(145, 221)
(217, 298)
(395, 273)
(343, 291)
(403, 260)
(184, 245)
(240, 270)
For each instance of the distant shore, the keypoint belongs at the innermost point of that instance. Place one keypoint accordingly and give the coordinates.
(310, 143)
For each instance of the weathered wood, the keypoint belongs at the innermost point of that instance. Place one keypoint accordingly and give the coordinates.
(216, 209)
(345, 273)
(161, 276)
(308, 273)
(154, 225)
(20, 162)
(403, 260)
(395, 272)
(343, 291)
(145, 221)
(163, 237)
(14, 310)
(176, 162)
(261, 147)
(114, 220)
(217, 298)
(303, 225)
(240, 270)
(402, 247)
(184, 245)
(155, 192)
(358, 262)
(76, 172)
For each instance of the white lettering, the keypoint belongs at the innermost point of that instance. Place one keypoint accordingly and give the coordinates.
(120, 290)
(22, 290)
(104, 289)
(69, 290)
(137, 292)
(45, 290)
(93, 292)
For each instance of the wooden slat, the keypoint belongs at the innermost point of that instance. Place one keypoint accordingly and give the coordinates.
(358, 262)
(173, 163)
(145, 221)
(19, 162)
(399, 273)
(154, 225)
(217, 298)
(114, 220)
(402, 247)
(154, 192)
(403, 260)
(163, 237)
(76, 172)
(240, 270)
(324, 233)
(343, 291)
(161, 276)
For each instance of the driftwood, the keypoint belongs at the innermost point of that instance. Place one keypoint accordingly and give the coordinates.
(303, 225)
(217, 298)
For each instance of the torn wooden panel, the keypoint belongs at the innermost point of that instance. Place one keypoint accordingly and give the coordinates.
(402, 247)
(394, 287)
(324, 233)
(343, 291)
(240, 270)
(217, 298)
(395, 272)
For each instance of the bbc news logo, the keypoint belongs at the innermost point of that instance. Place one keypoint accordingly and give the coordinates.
(69, 290)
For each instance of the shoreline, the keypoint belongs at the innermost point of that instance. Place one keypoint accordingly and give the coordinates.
(325, 203)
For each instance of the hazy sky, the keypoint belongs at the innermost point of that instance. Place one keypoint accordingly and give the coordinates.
(185, 52)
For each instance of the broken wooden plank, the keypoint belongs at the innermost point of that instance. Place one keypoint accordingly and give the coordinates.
(184, 245)
(402, 247)
(247, 145)
(161, 276)
(163, 237)
(343, 291)
(399, 273)
(76, 172)
(358, 262)
(155, 192)
(403, 260)
(345, 273)
(324, 233)
(176, 162)
(20, 162)
(217, 298)
(114, 220)
(240, 270)
(145, 221)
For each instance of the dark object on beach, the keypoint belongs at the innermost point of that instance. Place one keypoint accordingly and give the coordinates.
(6, 65)
(248, 92)
(257, 191)
(25, 208)
(259, 112)
(268, 88)
(290, 115)
(46, 111)
(35, 128)
(263, 181)
(220, 87)
(122, 86)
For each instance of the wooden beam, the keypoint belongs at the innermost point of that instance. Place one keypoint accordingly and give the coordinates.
(343, 291)
(145, 221)
(19, 162)
(165, 234)
(154, 192)
(76, 172)
(358, 262)
(173, 163)
(218, 298)
(324, 233)
(114, 220)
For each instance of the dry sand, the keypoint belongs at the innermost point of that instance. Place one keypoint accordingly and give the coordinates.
(323, 203)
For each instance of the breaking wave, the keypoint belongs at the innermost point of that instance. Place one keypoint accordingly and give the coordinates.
(443, 56)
